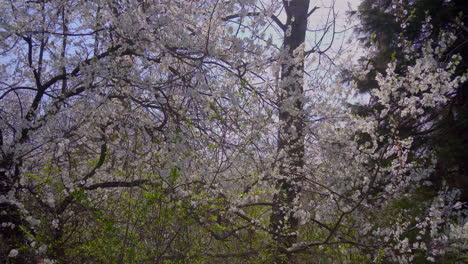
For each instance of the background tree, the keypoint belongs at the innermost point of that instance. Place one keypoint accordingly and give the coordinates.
(383, 26)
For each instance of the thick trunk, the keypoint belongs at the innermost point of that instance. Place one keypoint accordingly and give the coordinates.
(291, 130)
(11, 235)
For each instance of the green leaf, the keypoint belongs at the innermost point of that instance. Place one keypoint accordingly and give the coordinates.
(174, 175)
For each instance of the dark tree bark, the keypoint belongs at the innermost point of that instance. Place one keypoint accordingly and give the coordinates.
(291, 130)
(11, 235)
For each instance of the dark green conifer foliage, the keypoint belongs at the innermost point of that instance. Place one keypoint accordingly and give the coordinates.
(445, 130)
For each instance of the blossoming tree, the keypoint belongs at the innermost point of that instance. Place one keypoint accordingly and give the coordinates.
(162, 131)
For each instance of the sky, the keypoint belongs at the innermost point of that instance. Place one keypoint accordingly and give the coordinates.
(343, 24)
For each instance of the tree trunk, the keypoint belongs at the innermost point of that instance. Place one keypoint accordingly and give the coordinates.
(291, 128)
(11, 235)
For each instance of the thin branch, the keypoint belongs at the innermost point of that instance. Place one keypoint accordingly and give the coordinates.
(227, 18)
(312, 11)
(273, 17)
(218, 255)
(278, 22)
(255, 204)
(116, 184)
(101, 160)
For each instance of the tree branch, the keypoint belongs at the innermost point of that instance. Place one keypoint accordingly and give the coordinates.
(219, 255)
(101, 160)
(312, 11)
(255, 204)
(115, 184)
(278, 22)
(273, 17)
